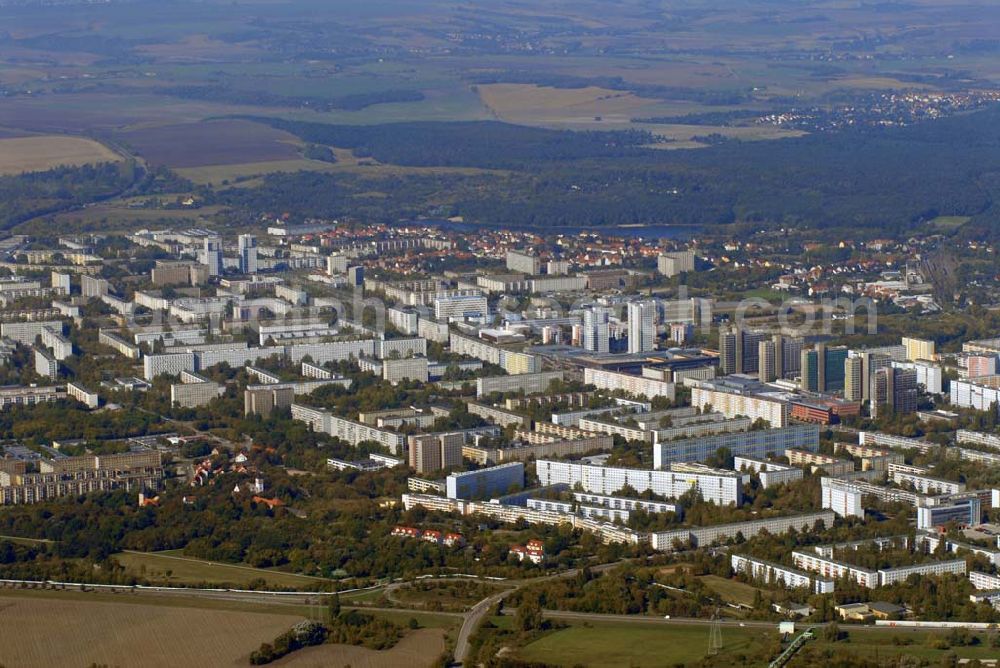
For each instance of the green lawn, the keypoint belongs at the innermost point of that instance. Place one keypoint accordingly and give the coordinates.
(617, 644)
(366, 597)
(946, 223)
(767, 294)
(189, 571)
(731, 591)
(25, 541)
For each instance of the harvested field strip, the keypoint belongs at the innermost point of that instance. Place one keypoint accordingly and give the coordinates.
(35, 154)
(47, 632)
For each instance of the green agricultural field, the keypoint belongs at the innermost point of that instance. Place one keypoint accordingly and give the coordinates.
(188, 571)
(615, 644)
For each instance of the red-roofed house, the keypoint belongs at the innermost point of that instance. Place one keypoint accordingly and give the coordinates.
(406, 532)
(533, 555)
(270, 503)
(454, 539)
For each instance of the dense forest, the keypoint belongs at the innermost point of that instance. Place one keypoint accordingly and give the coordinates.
(353, 102)
(892, 180)
(484, 144)
(888, 181)
(38, 193)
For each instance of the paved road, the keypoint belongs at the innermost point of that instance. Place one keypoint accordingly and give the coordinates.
(478, 613)
(726, 623)
(472, 621)
(647, 619)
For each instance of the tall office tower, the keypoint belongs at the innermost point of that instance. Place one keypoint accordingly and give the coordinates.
(727, 352)
(791, 357)
(853, 387)
(870, 363)
(894, 388)
(747, 348)
(833, 368)
(356, 276)
(680, 332)
(904, 390)
(596, 330)
(211, 255)
(738, 350)
(822, 369)
(248, 253)
(778, 342)
(641, 328)
(881, 390)
(767, 361)
(809, 368)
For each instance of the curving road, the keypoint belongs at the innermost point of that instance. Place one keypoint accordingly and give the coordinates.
(473, 619)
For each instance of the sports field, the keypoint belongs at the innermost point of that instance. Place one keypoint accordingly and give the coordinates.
(35, 154)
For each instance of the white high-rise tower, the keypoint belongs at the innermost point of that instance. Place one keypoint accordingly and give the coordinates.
(248, 253)
(641, 327)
